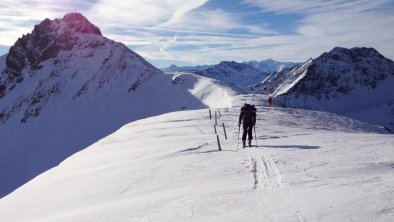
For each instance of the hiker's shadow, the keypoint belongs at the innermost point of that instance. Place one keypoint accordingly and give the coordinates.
(270, 137)
(303, 147)
(215, 151)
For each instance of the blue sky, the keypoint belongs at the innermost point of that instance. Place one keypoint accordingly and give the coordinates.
(191, 32)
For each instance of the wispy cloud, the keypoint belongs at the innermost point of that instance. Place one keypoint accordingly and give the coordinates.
(339, 22)
(208, 31)
(19, 17)
(183, 10)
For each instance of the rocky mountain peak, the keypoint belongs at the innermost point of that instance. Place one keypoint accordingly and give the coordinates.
(48, 38)
(354, 82)
(228, 63)
(270, 60)
(74, 23)
(45, 42)
(234, 65)
(77, 23)
(353, 55)
(339, 71)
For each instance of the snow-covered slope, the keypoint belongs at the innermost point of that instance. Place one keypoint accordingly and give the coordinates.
(280, 81)
(234, 74)
(307, 166)
(355, 82)
(64, 86)
(270, 66)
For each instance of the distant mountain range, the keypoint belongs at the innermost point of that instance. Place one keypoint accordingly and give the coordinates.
(174, 68)
(235, 74)
(269, 65)
(265, 66)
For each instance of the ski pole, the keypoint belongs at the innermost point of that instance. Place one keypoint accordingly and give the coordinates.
(255, 136)
(239, 130)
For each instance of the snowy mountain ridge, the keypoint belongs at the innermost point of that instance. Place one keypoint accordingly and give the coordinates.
(353, 82)
(339, 71)
(278, 81)
(64, 52)
(64, 86)
(45, 42)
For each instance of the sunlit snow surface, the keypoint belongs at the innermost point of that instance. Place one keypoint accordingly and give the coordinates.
(307, 166)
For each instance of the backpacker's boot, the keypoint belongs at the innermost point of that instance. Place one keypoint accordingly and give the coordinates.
(243, 143)
(250, 143)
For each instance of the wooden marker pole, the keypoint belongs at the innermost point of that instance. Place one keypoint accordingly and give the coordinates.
(225, 134)
(217, 137)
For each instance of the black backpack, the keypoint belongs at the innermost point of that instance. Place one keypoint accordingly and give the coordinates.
(249, 113)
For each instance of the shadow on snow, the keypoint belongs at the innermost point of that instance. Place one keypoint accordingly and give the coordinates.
(304, 147)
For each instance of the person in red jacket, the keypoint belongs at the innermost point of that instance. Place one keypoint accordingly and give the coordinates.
(248, 118)
(270, 102)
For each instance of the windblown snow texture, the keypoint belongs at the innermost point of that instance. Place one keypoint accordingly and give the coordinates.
(64, 86)
(324, 168)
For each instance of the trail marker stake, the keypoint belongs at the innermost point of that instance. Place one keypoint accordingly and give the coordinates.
(239, 131)
(224, 129)
(217, 137)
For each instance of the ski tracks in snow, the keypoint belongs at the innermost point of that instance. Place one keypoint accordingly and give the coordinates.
(265, 173)
(267, 177)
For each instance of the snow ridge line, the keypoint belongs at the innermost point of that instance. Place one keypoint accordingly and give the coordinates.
(265, 173)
